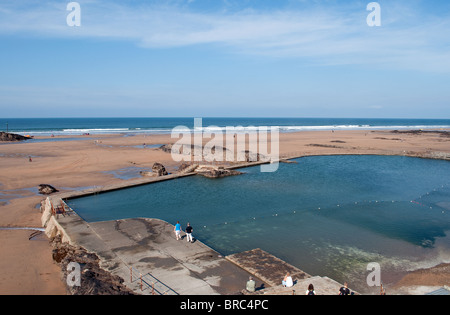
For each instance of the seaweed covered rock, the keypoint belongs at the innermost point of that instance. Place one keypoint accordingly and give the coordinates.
(46, 189)
(5, 136)
(93, 279)
(216, 172)
(159, 169)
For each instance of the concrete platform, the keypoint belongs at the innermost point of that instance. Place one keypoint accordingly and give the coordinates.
(322, 286)
(146, 254)
(272, 270)
(147, 247)
(266, 266)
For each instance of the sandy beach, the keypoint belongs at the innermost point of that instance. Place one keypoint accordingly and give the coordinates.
(98, 160)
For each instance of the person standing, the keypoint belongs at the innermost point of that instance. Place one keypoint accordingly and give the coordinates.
(344, 290)
(177, 230)
(189, 231)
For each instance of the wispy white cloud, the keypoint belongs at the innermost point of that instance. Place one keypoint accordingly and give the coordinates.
(327, 34)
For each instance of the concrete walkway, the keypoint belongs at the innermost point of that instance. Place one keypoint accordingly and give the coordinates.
(272, 270)
(134, 247)
(266, 266)
(322, 286)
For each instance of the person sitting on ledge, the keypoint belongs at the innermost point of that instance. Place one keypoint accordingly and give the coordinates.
(251, 284)
(287, 281)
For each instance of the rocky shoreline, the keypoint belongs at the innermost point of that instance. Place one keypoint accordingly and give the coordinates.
(93, 279)
(208, 171)
(11, 137)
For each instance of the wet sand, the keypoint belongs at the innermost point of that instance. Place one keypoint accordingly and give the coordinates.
(27, 267)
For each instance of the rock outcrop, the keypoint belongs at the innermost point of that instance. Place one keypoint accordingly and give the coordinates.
(216, 172)
(159, 169)
(5, 136)
(187, 168)
(166, 148)
(45, 189)
(207, 170)
(93, 279)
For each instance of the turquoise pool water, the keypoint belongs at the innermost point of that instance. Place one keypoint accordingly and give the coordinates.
(328, 215)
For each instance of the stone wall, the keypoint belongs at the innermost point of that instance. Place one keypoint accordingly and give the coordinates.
(49, 222)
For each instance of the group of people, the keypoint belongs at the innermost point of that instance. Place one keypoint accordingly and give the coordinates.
(342, 291)
(188, 230)
(287, 282)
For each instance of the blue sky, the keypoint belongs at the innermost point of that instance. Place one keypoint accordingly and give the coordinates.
(206, 58)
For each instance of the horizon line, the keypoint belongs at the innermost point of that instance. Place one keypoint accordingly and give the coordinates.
(222, 117)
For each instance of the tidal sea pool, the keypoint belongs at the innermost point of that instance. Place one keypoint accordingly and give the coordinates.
(327, 215)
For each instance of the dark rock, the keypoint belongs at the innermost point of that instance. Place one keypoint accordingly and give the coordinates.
(93, 279)
(219, 172)
(46, 189)
(166, 148)
(5, 136)
(183, 167)
(253, 157)
(187, 168)
(159, 169)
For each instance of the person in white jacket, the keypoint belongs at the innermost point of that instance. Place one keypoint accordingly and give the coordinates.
(287, 281)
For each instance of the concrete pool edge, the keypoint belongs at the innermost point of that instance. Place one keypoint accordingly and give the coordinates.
(283, 159)
(144, 248)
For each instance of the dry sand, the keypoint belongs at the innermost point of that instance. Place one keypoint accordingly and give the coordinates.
(26, 266)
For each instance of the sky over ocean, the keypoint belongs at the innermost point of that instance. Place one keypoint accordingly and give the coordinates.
(229, 58)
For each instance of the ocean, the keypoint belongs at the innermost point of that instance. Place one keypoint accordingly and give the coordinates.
(80, 126)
